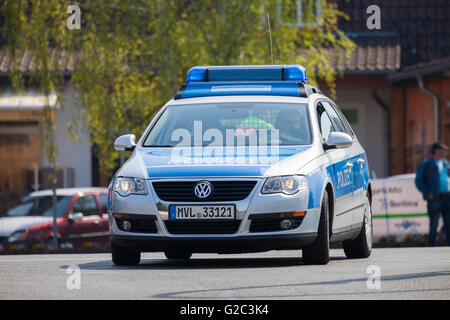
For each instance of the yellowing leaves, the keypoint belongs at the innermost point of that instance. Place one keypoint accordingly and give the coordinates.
(131, 57)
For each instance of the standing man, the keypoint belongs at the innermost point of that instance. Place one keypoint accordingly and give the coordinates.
(433, 180)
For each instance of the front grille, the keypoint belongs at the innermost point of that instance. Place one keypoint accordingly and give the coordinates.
(183, 191)
(202, 227)
(3, 239)
(138, 225)
(272, 224)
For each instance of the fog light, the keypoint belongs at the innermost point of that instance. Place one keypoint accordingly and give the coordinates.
(286, 224)
(126, 225)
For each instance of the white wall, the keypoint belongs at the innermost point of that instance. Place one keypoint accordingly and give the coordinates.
(78, 155)
(372, 126)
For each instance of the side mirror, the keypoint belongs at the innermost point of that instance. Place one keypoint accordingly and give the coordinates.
(125, 143)
(338, 140)
(75, 216)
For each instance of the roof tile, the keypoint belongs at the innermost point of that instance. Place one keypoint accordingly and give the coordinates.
(27, 62)
(423, 26)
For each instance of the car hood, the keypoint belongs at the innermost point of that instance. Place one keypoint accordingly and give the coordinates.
(153, 163)
(9, 225)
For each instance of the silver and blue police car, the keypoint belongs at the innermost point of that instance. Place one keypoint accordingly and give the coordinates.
(243, 159)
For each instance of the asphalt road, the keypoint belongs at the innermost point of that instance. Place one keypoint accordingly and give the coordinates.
(405, 273)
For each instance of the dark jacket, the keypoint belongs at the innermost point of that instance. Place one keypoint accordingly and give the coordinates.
(427, 177)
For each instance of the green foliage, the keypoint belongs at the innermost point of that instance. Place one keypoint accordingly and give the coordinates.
(132, 56)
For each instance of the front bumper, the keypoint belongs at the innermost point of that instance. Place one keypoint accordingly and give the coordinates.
(237, 244)
(242, 239)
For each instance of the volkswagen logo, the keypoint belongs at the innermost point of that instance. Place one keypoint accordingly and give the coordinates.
(203, 189)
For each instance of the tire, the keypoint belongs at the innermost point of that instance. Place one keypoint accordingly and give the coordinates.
(319, 251)
(124, 257)
(361, 247)
(178, 254)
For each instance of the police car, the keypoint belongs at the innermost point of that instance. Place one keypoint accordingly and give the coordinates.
(243, 159)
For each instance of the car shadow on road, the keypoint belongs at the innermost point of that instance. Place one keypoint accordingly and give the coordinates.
(200, 263)
(232, 291)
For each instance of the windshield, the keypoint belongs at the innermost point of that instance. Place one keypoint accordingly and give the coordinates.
(231, 124)
(40, 206)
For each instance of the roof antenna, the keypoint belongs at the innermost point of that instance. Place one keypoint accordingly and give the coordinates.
(270, 36)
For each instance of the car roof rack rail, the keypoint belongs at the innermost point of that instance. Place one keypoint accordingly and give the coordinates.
(311, 89)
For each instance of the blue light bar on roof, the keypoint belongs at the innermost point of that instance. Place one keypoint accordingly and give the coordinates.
(197, 74)
(296, 72)
(268, 88)
(247, 73)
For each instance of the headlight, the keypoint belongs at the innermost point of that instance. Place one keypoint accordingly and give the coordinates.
(285, 184)
(127, 186)
(18, 236)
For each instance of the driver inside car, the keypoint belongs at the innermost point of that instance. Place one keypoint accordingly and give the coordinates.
(288, 124)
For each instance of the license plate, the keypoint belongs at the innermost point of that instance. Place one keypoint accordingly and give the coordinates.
(199, 212)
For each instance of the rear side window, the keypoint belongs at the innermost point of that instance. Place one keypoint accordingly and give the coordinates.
(325, 124)
(334, 117)
(345, 121)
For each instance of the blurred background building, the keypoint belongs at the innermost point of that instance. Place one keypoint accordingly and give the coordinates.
(23, 162)
(396, 84)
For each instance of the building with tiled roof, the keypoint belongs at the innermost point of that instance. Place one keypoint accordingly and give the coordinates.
(63, 61)
(421, 27)
(396, 86)
(23, 163)
(372, 55)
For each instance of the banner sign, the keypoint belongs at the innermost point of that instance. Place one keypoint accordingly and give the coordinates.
(399, 211)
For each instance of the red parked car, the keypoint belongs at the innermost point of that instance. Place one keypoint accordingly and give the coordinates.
(82, 220)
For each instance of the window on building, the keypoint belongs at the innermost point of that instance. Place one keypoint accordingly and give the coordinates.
(295, 13)
(351, 115)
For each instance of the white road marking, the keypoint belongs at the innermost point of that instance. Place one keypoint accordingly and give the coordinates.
(60, 259)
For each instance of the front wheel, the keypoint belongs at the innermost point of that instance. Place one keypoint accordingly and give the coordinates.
(319, 251)
(361, 247)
